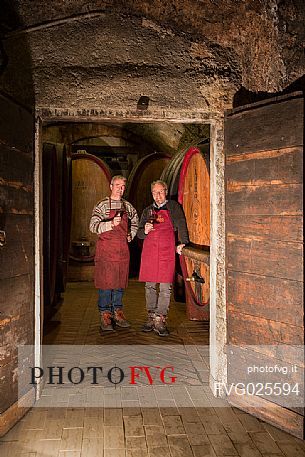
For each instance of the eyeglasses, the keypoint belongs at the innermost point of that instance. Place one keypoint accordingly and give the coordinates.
(159, 192)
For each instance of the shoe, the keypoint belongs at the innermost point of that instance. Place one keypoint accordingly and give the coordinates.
(149, 324)
(106, 321)
(159, 326)
(120, 319)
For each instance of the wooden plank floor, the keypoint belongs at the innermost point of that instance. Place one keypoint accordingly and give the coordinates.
(137, 431)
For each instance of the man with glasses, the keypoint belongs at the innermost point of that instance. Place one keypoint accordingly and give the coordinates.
(158, 227)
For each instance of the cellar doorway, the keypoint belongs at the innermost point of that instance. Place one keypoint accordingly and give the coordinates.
(213, 138)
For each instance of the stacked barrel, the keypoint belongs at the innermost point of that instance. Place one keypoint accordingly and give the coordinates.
(148, 169)
(90, 183)
(72, 185)
(56, 222)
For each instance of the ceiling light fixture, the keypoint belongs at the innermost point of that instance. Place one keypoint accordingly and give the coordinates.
(143, 102)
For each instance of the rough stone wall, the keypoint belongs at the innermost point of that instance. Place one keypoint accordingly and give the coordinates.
(110, 61)
(181, 53)
(291, 29)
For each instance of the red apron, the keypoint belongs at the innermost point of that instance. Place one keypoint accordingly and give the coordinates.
(158, 254)
(112, 256)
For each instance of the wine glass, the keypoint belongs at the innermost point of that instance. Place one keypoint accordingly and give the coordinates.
(151, 217)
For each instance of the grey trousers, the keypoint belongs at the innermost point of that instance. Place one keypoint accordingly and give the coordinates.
(158, 302)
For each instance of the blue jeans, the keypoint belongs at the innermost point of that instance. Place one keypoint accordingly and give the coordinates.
(110, 299)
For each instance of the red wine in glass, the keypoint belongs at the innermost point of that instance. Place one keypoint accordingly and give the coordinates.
(151, 219)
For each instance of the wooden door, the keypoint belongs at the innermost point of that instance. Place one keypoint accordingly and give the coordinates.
(16, 256)
(264, 250)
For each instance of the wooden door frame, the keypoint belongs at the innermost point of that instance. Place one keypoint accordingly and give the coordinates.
(218, 324)
(38, 240)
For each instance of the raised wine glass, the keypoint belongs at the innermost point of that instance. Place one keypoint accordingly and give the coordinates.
(151, 218)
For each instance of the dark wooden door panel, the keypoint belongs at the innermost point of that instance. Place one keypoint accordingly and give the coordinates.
(273, 227)
(276, 299)
(279, 166)
(17, 254)
(264, 246)
(275, 259)
(276, 199)
(261, 331)
(266, 125)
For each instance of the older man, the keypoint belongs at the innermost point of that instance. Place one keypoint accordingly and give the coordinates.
(110, 220)
(158, 225)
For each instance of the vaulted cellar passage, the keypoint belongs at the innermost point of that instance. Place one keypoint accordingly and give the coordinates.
(78, 162)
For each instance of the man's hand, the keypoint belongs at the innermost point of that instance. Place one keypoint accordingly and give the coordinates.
(179, 248)
(129, 238)
(116, 221)
(148, 227)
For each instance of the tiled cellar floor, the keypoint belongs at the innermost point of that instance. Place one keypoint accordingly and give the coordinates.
(131, 424)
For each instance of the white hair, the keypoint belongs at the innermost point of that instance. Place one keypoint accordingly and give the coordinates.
(159, 181)
(116, 177)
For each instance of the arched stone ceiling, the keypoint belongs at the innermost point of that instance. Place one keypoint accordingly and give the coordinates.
(181, 53)
(145, 138)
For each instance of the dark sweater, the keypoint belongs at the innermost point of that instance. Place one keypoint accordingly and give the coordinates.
(177, 216)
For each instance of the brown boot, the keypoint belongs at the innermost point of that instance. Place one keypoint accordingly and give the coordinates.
(106, 323)
(160, 325)
(120, 319)
(149, 324)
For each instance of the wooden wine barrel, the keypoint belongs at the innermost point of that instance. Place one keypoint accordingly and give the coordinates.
(148, 169)
(171, 173)
(195, 266)
(194, 196)
(50, 225)
(90, 183)
(64, 215)
(67, 220)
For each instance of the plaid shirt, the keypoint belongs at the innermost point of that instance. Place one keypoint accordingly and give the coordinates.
(100, 223)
